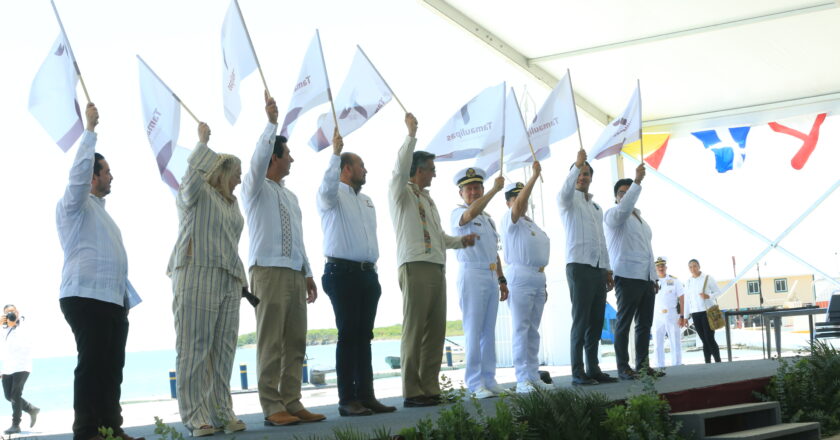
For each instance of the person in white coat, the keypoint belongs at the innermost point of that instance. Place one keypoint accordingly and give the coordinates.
(665, 315)
(16, 366)
(526, 249)
(481, 282)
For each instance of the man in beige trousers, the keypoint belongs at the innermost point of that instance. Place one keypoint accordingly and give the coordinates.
(280, 277)
(421, 256)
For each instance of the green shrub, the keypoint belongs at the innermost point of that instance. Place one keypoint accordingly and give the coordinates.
(562, 413)
(808, 390)
(643, 416)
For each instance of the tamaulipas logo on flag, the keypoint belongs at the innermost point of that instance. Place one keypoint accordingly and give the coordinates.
(162, 123)
(312, 87)
(624, 129)
(515, 139)
(52, 97)
(475, 127)
(238, 61)
(362, 95)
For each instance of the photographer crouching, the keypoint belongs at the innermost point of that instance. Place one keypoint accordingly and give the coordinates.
(16, 365)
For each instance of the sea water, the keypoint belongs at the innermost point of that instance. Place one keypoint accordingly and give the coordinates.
(146, 373)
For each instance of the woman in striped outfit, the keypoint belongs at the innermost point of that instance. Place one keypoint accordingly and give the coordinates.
(207, 279)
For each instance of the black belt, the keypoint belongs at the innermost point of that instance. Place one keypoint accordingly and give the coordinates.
(363, 266)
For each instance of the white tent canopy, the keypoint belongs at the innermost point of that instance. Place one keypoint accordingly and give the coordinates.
(701, 64)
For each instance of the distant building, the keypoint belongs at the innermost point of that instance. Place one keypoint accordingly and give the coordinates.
(779, 291)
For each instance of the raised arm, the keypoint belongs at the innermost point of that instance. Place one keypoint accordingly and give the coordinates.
(252, 183)
(198, 164)
(616, 216)
(81, 173)
(520, 205)
(328, 192)
(403, 166)
(567, 192)
(478, 206)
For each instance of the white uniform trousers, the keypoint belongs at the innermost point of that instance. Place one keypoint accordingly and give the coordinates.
(662, 326)
(478, 290)
(206, 309)
(526, 302)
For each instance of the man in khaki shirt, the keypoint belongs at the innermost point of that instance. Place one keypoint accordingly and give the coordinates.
(421, 256)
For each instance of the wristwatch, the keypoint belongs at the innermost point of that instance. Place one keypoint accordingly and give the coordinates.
(502, 280)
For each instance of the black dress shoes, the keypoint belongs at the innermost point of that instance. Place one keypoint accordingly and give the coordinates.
(604, 378)
(583, 380)
(419, 401)
(377, 407)
(353, 409)
(628, 375)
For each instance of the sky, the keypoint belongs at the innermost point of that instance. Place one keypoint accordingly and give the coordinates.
(433, 67)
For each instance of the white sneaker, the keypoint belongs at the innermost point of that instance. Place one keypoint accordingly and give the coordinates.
(483, 393)
(498, 389)
(524, 387)
(540, 385)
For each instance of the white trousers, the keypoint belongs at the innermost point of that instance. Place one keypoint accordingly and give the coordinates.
(670, 327)
(478, 290)
(526, 302)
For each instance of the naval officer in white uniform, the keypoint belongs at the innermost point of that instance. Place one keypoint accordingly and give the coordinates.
(481, 282)
(665, 315)
(526, 249)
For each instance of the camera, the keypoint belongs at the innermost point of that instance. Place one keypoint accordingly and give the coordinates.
(11, 316)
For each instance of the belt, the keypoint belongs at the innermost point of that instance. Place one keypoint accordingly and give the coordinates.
(539, 269)
(470, 265)
(361, 265)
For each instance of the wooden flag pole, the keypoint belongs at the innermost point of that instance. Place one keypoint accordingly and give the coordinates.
(329, 90)
(641, 137)
(383, 79)
(504, 126)
(527, 135)
(70, 49)
(170, 90)
(574, 104)
(250, 43)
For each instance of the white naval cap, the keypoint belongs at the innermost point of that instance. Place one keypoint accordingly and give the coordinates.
(469, 175)
(660, 260)
(513, 188)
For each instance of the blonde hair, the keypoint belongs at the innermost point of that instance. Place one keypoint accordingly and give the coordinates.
(221, 173)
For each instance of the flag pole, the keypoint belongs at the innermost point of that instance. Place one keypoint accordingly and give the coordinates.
(170, 90)
(382, 78)
(527, 134)
(504, 113)
(250, 43)
(641, 138)
(327, 77)
(577, 122)
(70, 49)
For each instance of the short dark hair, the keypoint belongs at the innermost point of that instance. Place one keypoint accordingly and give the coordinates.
(620, 183)
(693, 260)
(278, 145)
(97, 167)
(591, 170)
(419, 159)
(510, 195)
(347, 159)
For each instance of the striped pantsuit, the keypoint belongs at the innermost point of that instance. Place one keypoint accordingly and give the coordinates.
(206, 309)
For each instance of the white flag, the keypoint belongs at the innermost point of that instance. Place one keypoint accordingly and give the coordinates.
(474, 128)
(238, 60)
(515, 139)
(312, 87)
(362, 95)
(52, 98)
(621, 131)
(162, 123)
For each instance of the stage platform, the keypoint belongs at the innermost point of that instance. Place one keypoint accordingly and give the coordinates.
(686, 386)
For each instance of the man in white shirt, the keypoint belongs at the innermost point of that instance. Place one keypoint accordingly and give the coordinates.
(631, 257)
(421, 257)
(666, 318)
(95, 291)
(16, 366)
(280, 277)
(587, 271)
(348, 220)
